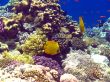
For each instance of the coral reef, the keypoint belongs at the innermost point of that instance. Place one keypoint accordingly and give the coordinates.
(34, 15)
(34, 44)
(77, 43)
(15, 55)
(105, 50)
(28, 73)
(48, 62)
(81, 65)
(5, 62)
(3, 47)
(39, 42)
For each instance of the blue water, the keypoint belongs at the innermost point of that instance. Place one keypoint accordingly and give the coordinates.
(3, 2)
(91, 10)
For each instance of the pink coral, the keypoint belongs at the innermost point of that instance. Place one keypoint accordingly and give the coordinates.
(68, 78)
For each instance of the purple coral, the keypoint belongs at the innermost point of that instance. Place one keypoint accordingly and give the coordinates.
(1, 26)
(48, 62)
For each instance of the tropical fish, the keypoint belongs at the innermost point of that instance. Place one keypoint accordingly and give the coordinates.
(81, 25)
(51, 47)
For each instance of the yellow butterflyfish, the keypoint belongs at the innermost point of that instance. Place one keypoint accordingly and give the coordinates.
(81, 25)
(51, 47)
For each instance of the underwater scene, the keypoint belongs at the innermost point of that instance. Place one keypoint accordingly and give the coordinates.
(54, 40)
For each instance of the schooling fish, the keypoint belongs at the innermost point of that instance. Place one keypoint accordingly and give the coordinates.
(81, 25)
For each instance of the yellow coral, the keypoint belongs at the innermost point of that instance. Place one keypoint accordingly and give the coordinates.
(51, 48)
(20, 58)
(34, 44)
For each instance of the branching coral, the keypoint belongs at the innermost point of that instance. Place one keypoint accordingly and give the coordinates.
(18, 57)
(89, 41)
(34, 44)
(48, 62)
(77, 43)
(105, 50)
(82, 66)
(63, 40)
(48, 16)
(10, 28)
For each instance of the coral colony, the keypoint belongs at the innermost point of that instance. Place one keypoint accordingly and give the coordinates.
(39, 43)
